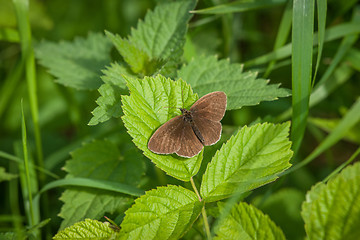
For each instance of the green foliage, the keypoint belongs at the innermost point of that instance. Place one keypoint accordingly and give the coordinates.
(144, 71)
(247, 222)
(104, 161)
(207, 74)
(163, 213)
(76, 64)
(253, 157)
(87, 229)
(332, 210)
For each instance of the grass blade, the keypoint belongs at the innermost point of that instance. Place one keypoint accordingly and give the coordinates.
(302, 49)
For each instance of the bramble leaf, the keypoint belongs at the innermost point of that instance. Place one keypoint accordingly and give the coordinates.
(332, 210)
(152, 102)
(163, 213)
(109, 103)
(156, 45)
(100, 160)
(88, 229)
(208, 74)
(250, 159)
(246, 222)
(76, 64)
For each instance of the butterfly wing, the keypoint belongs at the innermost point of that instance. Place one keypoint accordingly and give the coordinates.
(212, 106)
(190, 145)
(166, 138)
(207, 113)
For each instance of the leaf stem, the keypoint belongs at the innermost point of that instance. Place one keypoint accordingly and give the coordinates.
(195, 189)
(203, 211)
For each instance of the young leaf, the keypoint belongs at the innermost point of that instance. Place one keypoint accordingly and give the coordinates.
(109, 104)
(88, 229)
(76, 64)
(163, 213)
(162, 33)
(247, 222)
(332, 210)
(251, 158)
(152, 102)
(100, 160)
(157, 44)
(207, 74)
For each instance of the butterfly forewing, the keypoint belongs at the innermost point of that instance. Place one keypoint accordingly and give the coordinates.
(212, 106)
(167, 138)
(190, 144)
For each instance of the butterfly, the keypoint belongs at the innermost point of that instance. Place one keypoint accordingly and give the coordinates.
(187, 134)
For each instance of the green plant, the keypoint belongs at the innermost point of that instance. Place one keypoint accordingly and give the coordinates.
(228, 190)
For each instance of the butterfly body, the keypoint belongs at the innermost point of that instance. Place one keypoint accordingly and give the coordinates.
(187, 116)
(187, 134)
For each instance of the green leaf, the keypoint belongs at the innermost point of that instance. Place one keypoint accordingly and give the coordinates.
(247, 222)
(156, 46)
(4, 176)
(152, 102)
(88, 229)
(76, 64)
(253, 157)
(100, 160)
(109, 103)
(163, 213)
(162, 33)
(332, 210)
(208, 74)
(240, 6)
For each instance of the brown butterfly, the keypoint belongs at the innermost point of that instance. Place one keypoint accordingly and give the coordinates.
(187, 134)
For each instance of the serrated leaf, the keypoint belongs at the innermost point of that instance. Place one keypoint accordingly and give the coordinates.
(4, 176)
(247, 222)
(152, 102)
(162, 33)
(76, 64)
(332, 210)
(253, 157)
(208, 74)
(100, 160)
(163, 213)
(109, 104)
(156, 46)
(88, 229)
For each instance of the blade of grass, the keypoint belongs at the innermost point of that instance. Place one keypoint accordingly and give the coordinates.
(94, 183)
(331, 33)
(239, 6)
(302, 49)
(26, 166)
(9, 86)
(282, 34)
(351, 118)
(22, 16)
(19, 160)
(322, 8)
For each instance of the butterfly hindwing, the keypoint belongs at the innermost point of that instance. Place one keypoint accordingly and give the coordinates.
(190, 144)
